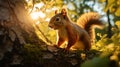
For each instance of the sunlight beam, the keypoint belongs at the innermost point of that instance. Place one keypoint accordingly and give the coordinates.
(37, 15)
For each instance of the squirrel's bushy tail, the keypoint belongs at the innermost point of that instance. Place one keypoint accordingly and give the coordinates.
(88, 21)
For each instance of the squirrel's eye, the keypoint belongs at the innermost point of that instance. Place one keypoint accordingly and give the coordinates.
(57, 19)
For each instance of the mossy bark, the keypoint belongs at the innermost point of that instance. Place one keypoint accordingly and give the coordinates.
(16, 30)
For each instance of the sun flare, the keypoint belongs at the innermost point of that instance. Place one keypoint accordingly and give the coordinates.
(34, 16)
(37, 15)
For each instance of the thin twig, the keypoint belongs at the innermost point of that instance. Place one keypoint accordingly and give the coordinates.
(43, 34)
(33, 2)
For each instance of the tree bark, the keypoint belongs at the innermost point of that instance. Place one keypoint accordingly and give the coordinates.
(16, 30)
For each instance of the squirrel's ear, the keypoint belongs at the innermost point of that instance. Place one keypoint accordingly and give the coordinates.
(64, 11)
(56, 11)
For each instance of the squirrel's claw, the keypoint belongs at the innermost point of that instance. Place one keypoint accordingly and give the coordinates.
(64, 50)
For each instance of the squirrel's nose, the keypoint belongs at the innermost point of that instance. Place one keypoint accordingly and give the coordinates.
(50, 25)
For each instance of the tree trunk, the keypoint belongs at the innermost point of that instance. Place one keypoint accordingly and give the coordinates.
(16, 30)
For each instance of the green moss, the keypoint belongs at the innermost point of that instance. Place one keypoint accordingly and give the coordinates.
(32, 53)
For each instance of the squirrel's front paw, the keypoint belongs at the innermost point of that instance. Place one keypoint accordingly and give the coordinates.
(56, 46)
(64, 50)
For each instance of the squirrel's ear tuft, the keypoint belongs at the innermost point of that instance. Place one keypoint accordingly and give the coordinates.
(64, 11)
(56, 11)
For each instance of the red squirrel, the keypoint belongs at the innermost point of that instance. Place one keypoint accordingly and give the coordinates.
(79, 35)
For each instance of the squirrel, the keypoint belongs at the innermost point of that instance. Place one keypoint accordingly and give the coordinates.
(78, 35)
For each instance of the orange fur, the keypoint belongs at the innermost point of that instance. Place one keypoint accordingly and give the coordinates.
(76, 35)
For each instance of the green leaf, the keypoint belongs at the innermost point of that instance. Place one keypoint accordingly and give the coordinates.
(109, 4)
(97, 62)
(117, 13)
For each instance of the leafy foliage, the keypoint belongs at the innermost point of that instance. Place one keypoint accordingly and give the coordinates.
(110, 51)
